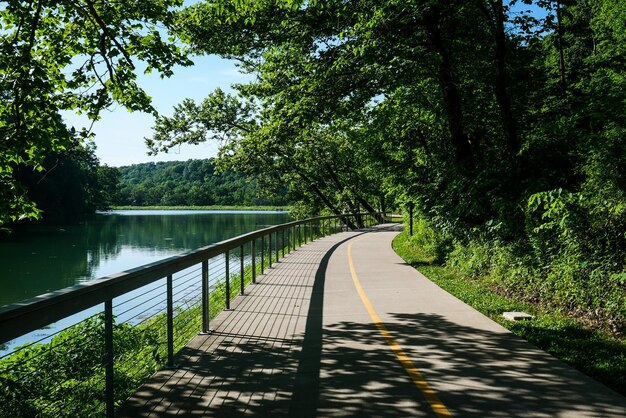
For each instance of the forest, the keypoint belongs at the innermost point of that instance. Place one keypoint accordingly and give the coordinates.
(69, 185)
(189, 183)
(73, 184)
(502, 122)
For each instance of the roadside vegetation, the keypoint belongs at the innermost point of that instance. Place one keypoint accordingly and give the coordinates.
(598, 353)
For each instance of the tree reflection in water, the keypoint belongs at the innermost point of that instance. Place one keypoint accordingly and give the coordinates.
(40, 259)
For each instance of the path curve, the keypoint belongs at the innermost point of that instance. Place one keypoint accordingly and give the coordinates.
(303, 343)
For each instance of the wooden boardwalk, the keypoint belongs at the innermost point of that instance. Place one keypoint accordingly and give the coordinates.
(342, 327)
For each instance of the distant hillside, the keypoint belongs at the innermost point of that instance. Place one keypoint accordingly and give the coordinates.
(189, 183)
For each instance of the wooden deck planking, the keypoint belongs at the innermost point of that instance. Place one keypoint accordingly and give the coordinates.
(249, 363)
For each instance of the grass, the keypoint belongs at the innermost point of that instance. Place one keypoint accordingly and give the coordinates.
(214, 207)
(596, 353)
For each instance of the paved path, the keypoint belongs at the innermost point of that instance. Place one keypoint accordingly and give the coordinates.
(306, 342)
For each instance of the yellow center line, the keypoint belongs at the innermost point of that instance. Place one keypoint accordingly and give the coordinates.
(431, 397)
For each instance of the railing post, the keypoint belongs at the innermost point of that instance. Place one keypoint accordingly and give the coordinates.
(170, 322)
(269, 250)
(311, 229)
(253, 250)
(227, 259)
(205, 297)
(242, 270)
(262, 254)
(303, 226)
(276, 245)
(109, 359)
(283, 243)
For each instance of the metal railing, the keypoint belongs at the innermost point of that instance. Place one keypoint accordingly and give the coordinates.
(132, 323)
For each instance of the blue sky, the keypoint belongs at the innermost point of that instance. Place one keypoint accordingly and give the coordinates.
(120, 134)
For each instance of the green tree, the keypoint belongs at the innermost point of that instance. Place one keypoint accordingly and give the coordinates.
(190, 183)
(70, 184)
(333, 66)
(79, 56)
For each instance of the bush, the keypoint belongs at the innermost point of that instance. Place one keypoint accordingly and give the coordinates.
(566, 282)
(434, 242)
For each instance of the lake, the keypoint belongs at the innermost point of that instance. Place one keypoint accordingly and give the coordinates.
(44, 258)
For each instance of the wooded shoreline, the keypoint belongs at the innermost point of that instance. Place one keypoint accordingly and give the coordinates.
(212, 207)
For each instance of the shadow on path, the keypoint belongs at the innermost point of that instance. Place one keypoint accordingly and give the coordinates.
(282, 367)
(475, 372)
(307, 381)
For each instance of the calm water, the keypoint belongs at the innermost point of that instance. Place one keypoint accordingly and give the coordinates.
(51, 258)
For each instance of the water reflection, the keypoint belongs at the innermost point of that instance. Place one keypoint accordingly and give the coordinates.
(43, 259)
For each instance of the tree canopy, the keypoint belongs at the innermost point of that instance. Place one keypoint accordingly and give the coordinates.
(190, 183)
(458, 100)
(71, 184)
(499, 123)
(79, 56)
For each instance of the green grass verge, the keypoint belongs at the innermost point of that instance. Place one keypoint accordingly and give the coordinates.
(595, 353)
(215, 207)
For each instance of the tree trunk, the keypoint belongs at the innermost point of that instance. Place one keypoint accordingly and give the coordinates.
(333, 176)
(559, 34)
(360, 200)
(323, 198)
(450, 91)
(502, 97)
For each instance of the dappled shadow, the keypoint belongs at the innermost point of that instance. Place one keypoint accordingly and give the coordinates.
(486, 373)
(232, 374)
(324, 368)
(416, 264)
(383, 228)
(475, 373)
(589, 350)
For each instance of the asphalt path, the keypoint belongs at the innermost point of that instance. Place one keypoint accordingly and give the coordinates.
(342, 327)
